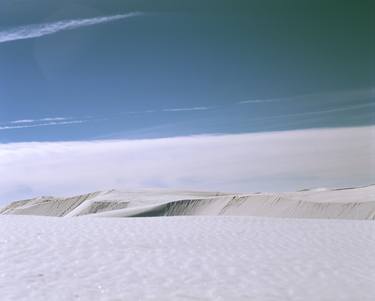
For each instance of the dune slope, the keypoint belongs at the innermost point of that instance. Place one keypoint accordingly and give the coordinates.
(350, 203)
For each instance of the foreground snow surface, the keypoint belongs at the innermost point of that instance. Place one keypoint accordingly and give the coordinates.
(186, 258)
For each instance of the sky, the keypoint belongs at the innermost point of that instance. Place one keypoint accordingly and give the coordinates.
(88, 70)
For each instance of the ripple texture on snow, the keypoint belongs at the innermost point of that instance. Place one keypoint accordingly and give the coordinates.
(186, 258)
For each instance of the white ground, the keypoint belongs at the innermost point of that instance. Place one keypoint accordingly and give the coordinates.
(186, 258)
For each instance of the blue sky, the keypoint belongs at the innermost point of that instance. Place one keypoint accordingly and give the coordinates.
(210, 95)
(172, 70)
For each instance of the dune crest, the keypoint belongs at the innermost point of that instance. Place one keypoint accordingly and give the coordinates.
(345, 203)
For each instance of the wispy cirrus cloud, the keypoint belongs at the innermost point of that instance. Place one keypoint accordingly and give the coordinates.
(186, 109)
(38, 30)
(355, 94)
(321, 112)
(251, 101)
(36, 125)
(22, 121)
(332, 103)
(56, 121)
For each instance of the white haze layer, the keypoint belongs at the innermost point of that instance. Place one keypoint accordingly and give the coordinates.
(275, 161)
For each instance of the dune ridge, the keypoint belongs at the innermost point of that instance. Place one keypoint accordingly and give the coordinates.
(343, 203)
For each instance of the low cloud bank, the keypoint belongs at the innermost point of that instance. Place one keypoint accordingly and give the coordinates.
(272, 161)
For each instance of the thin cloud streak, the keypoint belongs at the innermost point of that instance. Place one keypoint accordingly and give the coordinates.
(342, 109)
(364, 94)
(54, 119)
(334, 95)
(259, 101)
(186, 109)
(21, 121)
(38, 30)
(53, 123)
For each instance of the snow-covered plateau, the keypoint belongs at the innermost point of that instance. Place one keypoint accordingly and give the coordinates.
(307, 245)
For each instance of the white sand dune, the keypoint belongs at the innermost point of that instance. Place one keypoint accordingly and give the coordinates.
(186, 258)
(349, 203)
